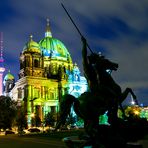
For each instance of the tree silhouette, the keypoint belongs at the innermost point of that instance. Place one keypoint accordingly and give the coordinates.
(8, 110)
(21, 119)
(49, 119)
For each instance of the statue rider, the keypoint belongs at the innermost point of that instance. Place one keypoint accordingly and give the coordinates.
(89, 69)
(92, 76)
(93, 82)
(91, 72)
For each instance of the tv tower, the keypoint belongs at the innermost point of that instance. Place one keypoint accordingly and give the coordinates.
(2, 69)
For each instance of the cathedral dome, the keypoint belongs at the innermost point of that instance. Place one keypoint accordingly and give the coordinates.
(32, 46)
(52, 47)
(8, 76)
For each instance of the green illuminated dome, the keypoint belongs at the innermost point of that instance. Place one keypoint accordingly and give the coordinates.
(32, 46)
(52, 47)
(8, 76)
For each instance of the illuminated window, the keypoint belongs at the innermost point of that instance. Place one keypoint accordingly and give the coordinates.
(51, 95)
(27, 62)
(36, 92)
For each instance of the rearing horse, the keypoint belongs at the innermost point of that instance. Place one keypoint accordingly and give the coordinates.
(110, 88)
(89, 106)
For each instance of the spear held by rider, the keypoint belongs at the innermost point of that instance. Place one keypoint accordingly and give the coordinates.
(76, 27)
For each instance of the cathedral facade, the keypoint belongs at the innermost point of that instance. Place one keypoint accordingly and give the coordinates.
(46, 73)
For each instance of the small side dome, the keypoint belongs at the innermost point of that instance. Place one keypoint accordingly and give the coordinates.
(8, 76)
(32, 46)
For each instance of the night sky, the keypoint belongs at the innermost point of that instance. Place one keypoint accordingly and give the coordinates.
(116, 28)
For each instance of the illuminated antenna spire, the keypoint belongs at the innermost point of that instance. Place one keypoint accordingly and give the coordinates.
(99, 53)
(48, 31)
(47, 21)
(1, 47)
(2, 69)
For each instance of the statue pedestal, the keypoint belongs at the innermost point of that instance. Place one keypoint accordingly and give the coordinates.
(74, 142)
(134, 145)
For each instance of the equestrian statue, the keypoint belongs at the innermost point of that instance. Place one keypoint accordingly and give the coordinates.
(104, 95)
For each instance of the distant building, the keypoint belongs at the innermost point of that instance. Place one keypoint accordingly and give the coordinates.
(8, 82)
(46, 73)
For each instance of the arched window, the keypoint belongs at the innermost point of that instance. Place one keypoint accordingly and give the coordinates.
(27, 61)
(36, 63)
(21, 64)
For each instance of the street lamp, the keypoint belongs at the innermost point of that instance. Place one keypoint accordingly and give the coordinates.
(59, 83)
(132, 100)
(59, 78)
(32, 115)
(19, 115)
(32, 111)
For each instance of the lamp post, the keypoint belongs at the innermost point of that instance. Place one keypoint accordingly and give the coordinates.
(59, 83)
(32, 111)
(20, 120)
(59, 78)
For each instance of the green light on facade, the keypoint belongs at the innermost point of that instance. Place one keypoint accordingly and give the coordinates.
(103, 119)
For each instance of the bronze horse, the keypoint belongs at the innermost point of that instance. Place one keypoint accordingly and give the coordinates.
(111, 90)
(89, 106)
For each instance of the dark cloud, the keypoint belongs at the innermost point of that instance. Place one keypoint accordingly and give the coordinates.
(119, 29)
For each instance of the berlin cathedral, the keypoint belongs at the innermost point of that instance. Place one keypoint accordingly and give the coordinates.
(46, 73)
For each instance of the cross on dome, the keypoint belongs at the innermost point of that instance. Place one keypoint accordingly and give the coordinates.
(48, 31)
(47, 21)
(31, 36)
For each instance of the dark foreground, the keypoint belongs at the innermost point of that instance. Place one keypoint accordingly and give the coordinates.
(50, 140)
(144, 142)
(14, 141)
(53, 140)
